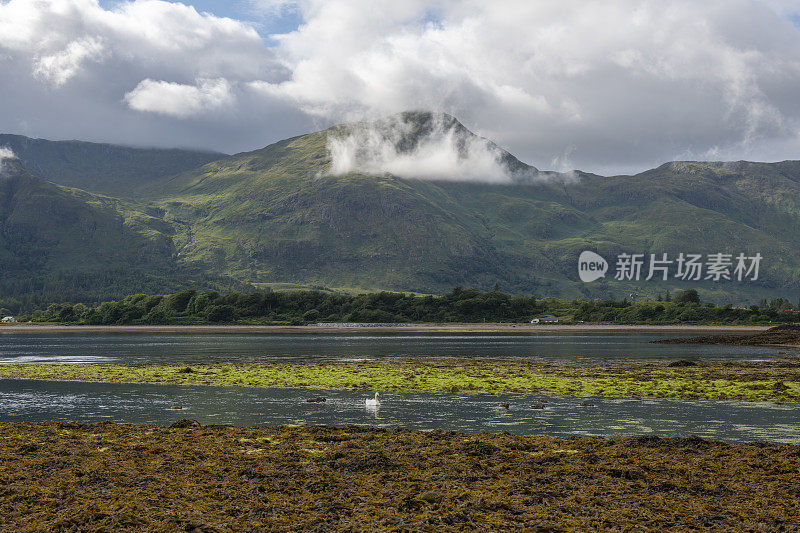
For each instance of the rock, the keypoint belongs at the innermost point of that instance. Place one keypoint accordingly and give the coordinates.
(504, 405)
(319, 399)
(586, 404)
(682, 362)
(431, 496)
(175, 407)
(185, 423)
(537, 406)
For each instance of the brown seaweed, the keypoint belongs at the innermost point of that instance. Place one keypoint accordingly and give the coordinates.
(121, 477)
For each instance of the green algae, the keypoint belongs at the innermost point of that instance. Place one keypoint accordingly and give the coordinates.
(777, 381)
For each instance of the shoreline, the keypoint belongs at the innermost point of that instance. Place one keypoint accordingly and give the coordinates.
(413, 328)
(787, 336)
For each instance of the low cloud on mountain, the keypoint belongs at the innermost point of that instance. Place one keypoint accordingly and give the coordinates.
(444, 151)
(5, 153)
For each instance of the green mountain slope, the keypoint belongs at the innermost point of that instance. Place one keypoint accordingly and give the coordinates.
(58, 243)
(277, 216)
(102, 168)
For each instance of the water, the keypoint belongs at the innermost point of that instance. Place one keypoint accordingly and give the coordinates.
(568, 348)
(30, 400)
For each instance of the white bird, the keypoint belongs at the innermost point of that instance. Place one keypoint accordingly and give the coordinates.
(370, 402)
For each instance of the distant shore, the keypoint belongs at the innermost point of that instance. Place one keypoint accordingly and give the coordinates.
(431, 328)
(785, 335)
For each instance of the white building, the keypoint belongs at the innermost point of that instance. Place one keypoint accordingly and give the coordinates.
(545, 320)
(8, 320)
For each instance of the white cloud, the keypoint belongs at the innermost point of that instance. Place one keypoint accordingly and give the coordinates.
(442, 151)
(609, 86)
(180, 100)
(60, 66)
(68, 65)
(617, 84)
(158, 36)
(5, 153)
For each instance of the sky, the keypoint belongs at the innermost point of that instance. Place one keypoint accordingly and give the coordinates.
(610, 87)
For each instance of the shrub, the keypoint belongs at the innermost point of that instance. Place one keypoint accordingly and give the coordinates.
(220, 313)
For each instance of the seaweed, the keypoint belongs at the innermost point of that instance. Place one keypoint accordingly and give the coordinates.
(147, 477)
(776, 381)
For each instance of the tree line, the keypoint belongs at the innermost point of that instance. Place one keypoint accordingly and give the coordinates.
(190, 307)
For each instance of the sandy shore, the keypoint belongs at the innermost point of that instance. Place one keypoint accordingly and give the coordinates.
(431, 328)
(115, 477)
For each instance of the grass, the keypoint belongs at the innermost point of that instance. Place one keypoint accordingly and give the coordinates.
(761, 381)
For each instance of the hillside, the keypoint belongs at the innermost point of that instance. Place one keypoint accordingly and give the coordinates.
(279, 216)
(276, 215)
(102, 168)
(58, 243)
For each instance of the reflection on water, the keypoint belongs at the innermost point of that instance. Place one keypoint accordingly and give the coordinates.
(374, 410)
(23, 400)
(35, 400)
(565, 347)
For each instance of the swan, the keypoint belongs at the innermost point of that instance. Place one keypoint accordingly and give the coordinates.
(370, 402)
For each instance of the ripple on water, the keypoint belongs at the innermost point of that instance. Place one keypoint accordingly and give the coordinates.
(57, 359)
(723, 420)
(571, 348)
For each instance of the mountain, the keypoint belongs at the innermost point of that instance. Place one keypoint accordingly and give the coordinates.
(277, 215)
(102, 168)
(417, 202)
(59, 243)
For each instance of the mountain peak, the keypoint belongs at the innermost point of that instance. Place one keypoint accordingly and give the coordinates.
(425, 145)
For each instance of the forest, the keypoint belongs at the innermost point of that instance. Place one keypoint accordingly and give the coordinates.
(190, 307)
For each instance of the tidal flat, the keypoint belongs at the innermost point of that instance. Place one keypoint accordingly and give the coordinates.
(784, 335)
(774, 381)
(147, 477)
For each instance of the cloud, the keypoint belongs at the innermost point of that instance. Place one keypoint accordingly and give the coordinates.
(613, 86)
(180, 100)
(5, 153)
(617, 85)
(417, 146)
(144, 73)
(59, 67)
